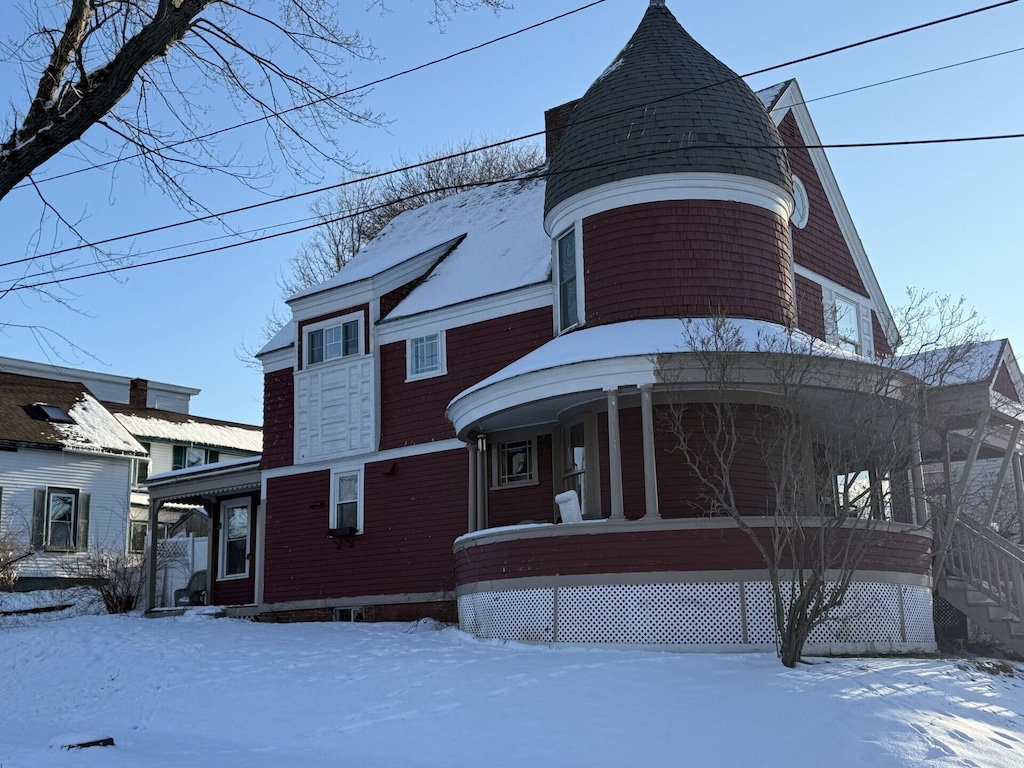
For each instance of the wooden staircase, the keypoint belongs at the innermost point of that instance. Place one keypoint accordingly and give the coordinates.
(983, 577)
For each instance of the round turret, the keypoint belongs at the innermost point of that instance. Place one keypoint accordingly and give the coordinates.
(665, 105)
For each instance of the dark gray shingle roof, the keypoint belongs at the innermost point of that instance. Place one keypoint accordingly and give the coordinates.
(665, 105)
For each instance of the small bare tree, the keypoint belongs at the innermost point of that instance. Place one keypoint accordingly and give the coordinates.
(832, 436)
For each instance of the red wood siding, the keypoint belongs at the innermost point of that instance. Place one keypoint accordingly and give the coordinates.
(301, 334)
(234, 591)
(641, 551)
(526, 503)
(413, 412)
(820, 245)
(810, 307)
(278, 419)
(413, 508)
(391, 299)
(882, 347)
(1004, 384)
(690, 258)
(680, 493)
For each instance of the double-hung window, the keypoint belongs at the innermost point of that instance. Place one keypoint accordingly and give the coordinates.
(568, 290)
(332, 341)
(234, 539)
(848, 335)
(345, 506)
(61, 518)
(425, 356)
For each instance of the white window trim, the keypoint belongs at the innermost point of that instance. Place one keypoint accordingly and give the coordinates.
(442, 357)
(76, 494)
(496, 452)
(801, 204)
(863, 310)
(332, 519)
(340, 320)
(581, 312)
(225, 507)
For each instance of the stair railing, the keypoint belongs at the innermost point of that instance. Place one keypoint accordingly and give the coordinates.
(991, 565)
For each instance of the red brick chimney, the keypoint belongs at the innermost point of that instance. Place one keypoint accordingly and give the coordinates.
(555, 121)
(138, 392)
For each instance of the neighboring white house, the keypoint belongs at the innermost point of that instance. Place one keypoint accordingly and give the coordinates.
(90, 467)
(65, 464)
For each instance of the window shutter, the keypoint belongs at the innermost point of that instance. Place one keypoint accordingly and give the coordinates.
(38, 518)
(212, 457)
(178, 460)
(82, 542)
(1, 508)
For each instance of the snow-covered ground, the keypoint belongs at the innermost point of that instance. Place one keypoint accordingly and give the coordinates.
(197, 690)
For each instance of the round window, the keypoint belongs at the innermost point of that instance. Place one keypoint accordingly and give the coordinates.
(800, 206)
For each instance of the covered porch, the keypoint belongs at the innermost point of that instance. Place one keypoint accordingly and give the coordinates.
(654, 560)
(230, 494)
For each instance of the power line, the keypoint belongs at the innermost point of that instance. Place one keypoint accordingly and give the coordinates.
(329, 97)
(545, 174)
(493, 145)
(195, 243)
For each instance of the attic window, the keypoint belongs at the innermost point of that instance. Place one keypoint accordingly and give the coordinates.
(55, 413)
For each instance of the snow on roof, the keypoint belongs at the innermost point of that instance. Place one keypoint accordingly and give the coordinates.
(191, 431)
(950, 366)
(96, 429)
(505, 246)
(770, 95)
(203, 469)
(645, 338)
(284, 338)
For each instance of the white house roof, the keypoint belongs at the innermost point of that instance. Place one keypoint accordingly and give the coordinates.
(284, 338)
(96, 429)
(505, 246)
(190, 430)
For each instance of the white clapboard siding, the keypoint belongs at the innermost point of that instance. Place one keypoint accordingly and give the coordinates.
(104, 478)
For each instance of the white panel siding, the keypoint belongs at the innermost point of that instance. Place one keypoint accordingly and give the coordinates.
(161, 458)
(166, 401)
(334, 407)
(104, 478)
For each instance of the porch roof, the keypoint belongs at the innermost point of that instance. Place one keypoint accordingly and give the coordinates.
(556, 375)
(197, 484)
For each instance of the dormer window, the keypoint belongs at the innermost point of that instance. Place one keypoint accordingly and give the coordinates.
(567, 265)
(332, 340)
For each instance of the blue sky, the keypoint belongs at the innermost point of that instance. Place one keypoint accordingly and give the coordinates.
(942, 218)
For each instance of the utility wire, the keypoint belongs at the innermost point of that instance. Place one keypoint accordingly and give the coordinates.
(382, 174)
(462, 187)
(195, 243)
(329, 97)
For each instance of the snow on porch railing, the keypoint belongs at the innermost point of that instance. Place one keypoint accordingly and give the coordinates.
(991, 564)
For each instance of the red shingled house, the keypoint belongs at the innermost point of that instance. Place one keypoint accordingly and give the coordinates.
(492, 350)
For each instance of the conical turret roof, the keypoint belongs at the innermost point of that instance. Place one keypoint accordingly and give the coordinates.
(665, 105)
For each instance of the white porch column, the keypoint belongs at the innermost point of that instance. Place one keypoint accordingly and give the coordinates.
(1001, 477)
(481, 482)
(471, 524)
(917, 477)
(650, 459)
(614, 455)
(261, 539)
(154, 509)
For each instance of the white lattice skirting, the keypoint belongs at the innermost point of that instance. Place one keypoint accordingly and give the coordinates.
(875, 617)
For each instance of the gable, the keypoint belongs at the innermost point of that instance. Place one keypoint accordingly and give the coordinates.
(828, 245)
(1004, 383)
